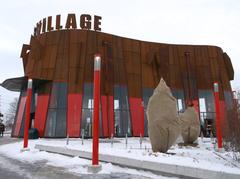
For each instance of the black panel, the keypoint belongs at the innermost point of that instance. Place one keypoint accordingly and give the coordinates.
(51, 123)
(147, 93)
(121, 112)
(61, 123)
(86, 123)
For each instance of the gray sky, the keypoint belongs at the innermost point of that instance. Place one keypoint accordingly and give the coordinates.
(205, 22)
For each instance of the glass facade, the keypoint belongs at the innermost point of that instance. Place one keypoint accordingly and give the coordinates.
(87, 112)
(121, 112)
(57, 110)
(179, 95)
(206, 105)
(56, 118)
(147, 93)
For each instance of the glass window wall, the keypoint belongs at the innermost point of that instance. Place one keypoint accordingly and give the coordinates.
(56, 119)
(121, 112)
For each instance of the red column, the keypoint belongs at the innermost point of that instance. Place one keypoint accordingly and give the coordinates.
(27, 114)
(217, 109)
(142, 119)
(96, 101)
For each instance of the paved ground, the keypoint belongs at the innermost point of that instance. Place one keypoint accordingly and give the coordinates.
(14, 169)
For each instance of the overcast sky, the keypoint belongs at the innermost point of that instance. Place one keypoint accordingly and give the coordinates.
(205, 22)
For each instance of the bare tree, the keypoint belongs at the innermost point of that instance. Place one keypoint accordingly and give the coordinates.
(10, 115)
(232, 123)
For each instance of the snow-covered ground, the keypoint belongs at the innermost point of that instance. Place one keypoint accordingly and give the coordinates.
(203, 156)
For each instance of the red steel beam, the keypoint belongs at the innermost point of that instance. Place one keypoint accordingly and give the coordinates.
(27, 115)
(217, 109)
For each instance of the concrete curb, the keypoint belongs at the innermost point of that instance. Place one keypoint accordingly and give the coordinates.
(156, 167)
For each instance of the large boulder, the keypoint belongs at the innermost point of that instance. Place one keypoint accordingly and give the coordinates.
(163, 124)
(190, 125)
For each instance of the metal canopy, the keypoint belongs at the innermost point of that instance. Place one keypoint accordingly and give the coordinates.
(19, 83)
(14, 84)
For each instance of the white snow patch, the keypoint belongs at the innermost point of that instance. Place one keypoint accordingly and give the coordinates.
(203, 156)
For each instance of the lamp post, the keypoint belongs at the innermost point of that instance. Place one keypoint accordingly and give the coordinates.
(95, 167)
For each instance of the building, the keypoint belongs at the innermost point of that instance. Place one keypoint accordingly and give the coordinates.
(60, 62)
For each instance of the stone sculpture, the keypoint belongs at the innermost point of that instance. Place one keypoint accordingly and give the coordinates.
(163, 123)
(190, 125)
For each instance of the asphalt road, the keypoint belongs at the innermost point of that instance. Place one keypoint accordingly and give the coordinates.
(15, 169)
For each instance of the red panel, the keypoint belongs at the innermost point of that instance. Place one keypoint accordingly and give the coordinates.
(107, 105)
(74, 114)
(136, 116)
(41, 113)
(196, 106)
(222, 114)
(20, 116)
(104, 115)
(111, 115)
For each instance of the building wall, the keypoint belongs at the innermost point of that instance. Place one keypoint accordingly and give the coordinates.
(130, 70)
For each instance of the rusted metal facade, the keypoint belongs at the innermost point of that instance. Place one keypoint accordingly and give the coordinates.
(61, 64)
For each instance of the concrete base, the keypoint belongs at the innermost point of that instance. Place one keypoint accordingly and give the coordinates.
(24, 149)
(94, 168)
(156, 167)
(220, 150)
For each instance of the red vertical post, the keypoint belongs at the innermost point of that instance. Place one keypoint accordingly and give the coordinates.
(96, 102)
(142, 119)
(27, 113)
(217, 109)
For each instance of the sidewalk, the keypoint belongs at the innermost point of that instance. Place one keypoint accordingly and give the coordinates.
(156, 167)
(6, 139)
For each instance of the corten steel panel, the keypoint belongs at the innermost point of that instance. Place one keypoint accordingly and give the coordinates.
(41, 113)
(90, 51)
(52, 38)
(61, 67)
(67, 56)
(58, 56)
(136, 46)
(171, 55)
(105, 48)
(74, 55)
(127, 45)
(74, 36)
(75, 80)
(147, 68)
(52, 56)
(229, 66)
(117, 48)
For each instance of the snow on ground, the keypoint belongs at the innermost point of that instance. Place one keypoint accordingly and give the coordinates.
(203, 156)
(72, 164)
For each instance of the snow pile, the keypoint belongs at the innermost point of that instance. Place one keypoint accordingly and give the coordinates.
(72, 164)
(202, 156)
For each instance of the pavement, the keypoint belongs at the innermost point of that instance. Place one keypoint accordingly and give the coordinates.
(6, 139)
(171, 170)
(15, 169)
